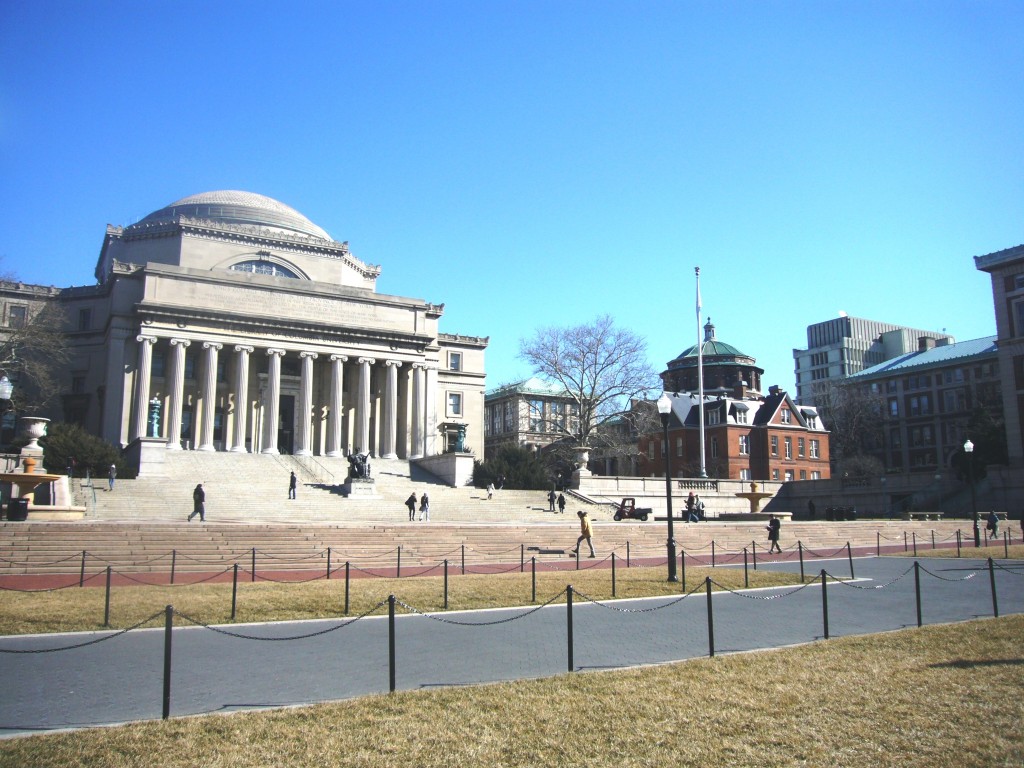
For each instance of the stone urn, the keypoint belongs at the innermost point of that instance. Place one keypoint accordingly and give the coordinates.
(33, 427)
(582, 456)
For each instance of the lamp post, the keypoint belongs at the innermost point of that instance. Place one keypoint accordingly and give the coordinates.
(6, 393)
(969, 450)
(665, 410)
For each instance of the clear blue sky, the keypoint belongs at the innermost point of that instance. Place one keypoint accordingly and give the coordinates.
(538, 163)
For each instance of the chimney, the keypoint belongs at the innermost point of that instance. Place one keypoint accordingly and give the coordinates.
(925, 343)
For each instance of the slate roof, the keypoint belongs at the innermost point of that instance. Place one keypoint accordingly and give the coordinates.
(931, 358)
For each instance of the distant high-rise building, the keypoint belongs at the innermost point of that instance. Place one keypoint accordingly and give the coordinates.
(846, 345)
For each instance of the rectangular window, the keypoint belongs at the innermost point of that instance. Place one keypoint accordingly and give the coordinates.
(789, 448)
(789, 475)
(744, 474)
(800, 447)
(714, 417)
(85, 319)
(78, 384)
(741, 416)
(714, 447)
(536, 409)
(787, 416)
(510, 420)
(894, 408)
(454, 361)
(775, 474)
(454, 403)
(814, 449)
(744, 445)
(17, 315)
(650, 450)
(159, 364)
(775, 445)
(803, 474)
(679, 446)
(190, 365)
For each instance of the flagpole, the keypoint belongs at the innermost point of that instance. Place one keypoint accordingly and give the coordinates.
(700, 379)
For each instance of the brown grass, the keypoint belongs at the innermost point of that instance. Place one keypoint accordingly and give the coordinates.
(1016, 552)
(927, 698)
(83, 609)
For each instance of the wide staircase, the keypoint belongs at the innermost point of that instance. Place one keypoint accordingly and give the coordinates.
(247, 488)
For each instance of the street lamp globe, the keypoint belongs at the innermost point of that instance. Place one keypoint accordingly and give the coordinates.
(6, 388)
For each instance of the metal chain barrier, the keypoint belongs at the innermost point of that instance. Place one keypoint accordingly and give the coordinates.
(242, 636)
(673, 602)
(94, 641)
(440, 620)
(851, 585)
(55, 589)
(1012, 571)
(738, 593)
(971, 575)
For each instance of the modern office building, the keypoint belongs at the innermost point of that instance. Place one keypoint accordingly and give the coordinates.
(846, 345)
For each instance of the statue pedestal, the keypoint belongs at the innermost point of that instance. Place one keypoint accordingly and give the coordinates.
(360, 488)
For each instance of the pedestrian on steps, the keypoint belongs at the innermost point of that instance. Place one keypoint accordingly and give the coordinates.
(411, 504)
(424, 509)
(293, 484)
(198, 503)
(111, 476)
(551, 500)
(561, 503)
(586, 533)
(490, 491)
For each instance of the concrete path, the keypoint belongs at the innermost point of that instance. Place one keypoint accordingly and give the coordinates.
(221, 669)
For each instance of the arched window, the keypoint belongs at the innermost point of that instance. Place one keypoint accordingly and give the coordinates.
(260, 267)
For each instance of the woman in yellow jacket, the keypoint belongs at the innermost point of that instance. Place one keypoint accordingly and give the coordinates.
(586, 532)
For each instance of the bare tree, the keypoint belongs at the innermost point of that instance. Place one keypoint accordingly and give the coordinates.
(602, 368)
(33, 346)
(854, 415)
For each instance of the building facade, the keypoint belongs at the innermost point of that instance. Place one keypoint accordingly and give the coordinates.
(228, 321)
(928, 397)
(1006, 269)
(747, 435)
(531, 414)
(846, 345)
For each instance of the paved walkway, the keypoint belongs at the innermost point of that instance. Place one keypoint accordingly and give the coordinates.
(241, 667)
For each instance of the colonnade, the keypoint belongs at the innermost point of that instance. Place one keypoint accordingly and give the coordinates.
(417, 407)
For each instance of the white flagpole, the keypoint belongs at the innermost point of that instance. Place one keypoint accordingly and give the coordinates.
(700, 378)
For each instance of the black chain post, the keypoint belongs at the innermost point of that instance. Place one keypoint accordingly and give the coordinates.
(849, 556)
(800, 549)
(446, 585)
(533, 568)
(254, 564)
(568, 619)
(711, 618)
(328, 563)
(753, 544)
(824, 600)
(878, 544)
(234, 590)
(463, 559)
(914, 538)
(613, 574)
(682, 568)
(81, 577)
(992, 581)
(174, 562)
(917, 589)
(106, 603)
(958, 542)
(627, 554)
(522, 558)
(398, 566)
(168, 626)
(346, 587)
(746, 577)
(712, 553)
(391, 643)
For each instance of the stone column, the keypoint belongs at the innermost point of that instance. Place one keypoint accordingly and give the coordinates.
(209, 395)
(389, 437)
(362, 438)
(241, 397)
(305, 405)
(334, 416)
(142, 373)
(272, 402)
(431, 437)
(177, 393)
(418, 410)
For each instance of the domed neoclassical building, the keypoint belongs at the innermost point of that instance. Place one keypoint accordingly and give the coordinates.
(228, 321)
(726, 369)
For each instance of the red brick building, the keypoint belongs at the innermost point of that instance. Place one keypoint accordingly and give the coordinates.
(747, 436)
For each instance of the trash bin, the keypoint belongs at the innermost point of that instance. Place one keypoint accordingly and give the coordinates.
(17, 509)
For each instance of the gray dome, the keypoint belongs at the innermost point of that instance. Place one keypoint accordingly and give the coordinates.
(232, 207)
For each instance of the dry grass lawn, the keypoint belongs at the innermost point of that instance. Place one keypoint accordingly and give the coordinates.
(1014, 552)
(929, 698)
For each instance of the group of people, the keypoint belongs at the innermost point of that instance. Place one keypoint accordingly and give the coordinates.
(694, 508)
(424, 503)
(553, 501)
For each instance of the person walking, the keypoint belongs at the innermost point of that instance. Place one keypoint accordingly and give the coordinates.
(992, 524)
(586, 534)
(198, 503)
(111, 477)
(698, 507)
(561, 503)
(293, 484)
(424, 509)
(411, 504)
(774, 526)
(490, 491)
(551, 500)
(691, 512)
